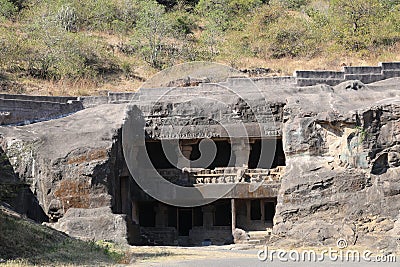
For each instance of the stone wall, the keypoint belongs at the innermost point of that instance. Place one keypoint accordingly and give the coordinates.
(219, 235)
(23, 109)
(365, 74)
(166, 236)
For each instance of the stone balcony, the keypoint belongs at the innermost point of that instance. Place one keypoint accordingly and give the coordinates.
(222, 175)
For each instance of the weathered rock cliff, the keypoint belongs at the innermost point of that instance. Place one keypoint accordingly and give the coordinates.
(70, 163)
(343, 177)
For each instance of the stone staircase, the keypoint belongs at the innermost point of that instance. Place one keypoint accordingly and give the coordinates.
(258, 237)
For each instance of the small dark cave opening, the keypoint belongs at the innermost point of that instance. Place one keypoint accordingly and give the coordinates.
(380, 165)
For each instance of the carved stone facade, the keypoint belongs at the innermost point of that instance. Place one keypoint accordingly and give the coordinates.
(306, 165)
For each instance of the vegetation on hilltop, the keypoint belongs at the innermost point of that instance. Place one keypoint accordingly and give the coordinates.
(113, 44)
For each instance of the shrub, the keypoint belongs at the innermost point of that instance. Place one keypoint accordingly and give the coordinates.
(67, 17)
(358, 24)
(7, 9)
(290, 37)
(58, 54)
(293, 4)
(152, 30)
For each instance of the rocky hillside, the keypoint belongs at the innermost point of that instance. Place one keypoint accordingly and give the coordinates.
(77, 47)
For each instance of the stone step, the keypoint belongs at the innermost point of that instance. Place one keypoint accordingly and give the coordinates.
(259, 234)
(318, 74)
(362, 70)
(391, 73)
(365, 78)
(315, 81)
(256, 242)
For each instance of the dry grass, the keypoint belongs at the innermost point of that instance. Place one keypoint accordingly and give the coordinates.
(23, 242)
(129, 82)
(143, 255)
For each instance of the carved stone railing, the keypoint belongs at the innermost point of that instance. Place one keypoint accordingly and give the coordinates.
(223, 175)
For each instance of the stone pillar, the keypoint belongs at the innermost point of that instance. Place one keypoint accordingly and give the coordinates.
(233, 212)
(241, 149)
(135, 154)
(161, 215)
(186, 150)
(135, 212)
(208, 215)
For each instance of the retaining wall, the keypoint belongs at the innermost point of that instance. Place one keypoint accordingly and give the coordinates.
(365, 74)
(17, 111)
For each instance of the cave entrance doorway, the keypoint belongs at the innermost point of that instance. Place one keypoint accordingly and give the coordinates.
(147, 214)
(185, 221)
(269, 211)
(267, 154)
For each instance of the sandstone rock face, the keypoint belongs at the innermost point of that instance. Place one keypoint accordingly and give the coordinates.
(342, 176)
(93, 224)
(70, 163)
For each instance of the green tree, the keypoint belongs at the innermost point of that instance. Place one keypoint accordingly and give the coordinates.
(153, 29)
(291, 37)
(355, 22)
(7, 9)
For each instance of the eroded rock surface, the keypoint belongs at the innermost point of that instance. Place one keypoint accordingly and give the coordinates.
(69, 163)
(342, 176)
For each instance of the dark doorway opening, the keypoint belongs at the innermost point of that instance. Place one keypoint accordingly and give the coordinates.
(185, 221)
(155, 152)
(222, 213)
(380, 165)
(255, 210)
(197, 216)
(147, 214)
(172, 217)
(221, 158)
(267, 154)
(269, 211)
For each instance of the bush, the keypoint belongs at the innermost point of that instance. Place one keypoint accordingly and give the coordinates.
(291, 37)
(58, 54)
(293, 4)
(360, 24)
(152, 30)
(11, 49)
(7, 9)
